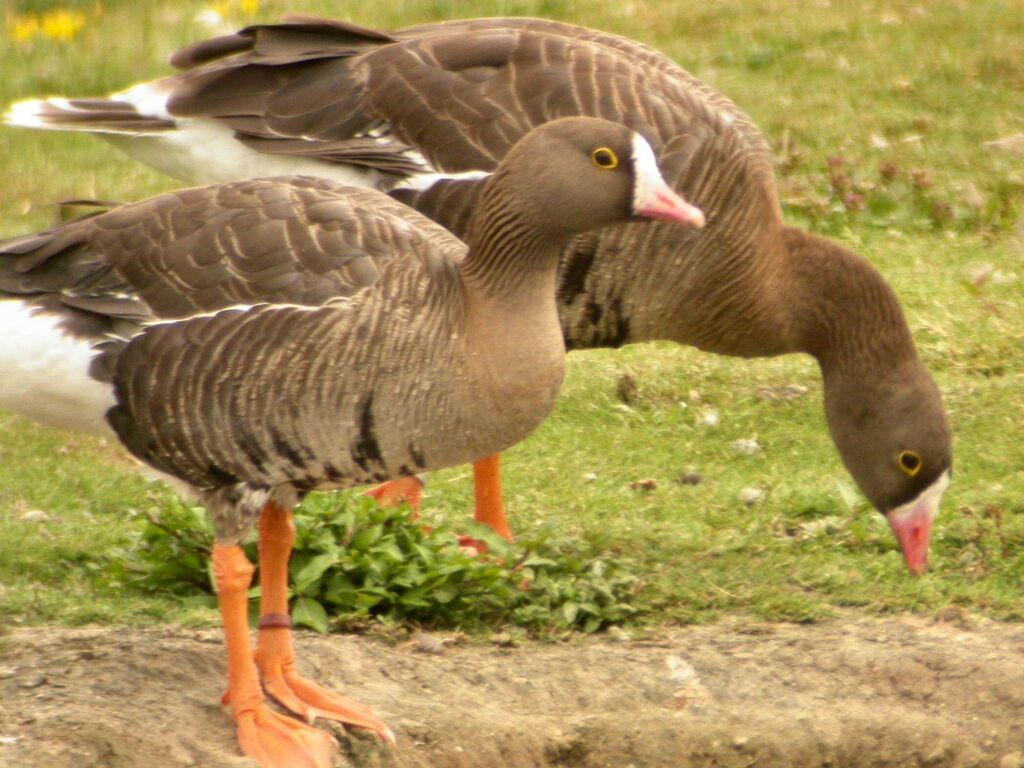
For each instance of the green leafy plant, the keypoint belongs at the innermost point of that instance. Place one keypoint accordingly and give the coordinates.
(355, 561)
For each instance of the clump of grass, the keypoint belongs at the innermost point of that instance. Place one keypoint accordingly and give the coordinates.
(355, 561)
(845, 192)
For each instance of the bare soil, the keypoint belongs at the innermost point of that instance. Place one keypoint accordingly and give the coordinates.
(849, 692)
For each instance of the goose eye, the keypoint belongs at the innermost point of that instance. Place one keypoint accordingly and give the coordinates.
(910, 462)
(604, 158)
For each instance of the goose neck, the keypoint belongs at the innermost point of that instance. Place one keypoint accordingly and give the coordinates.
(507, 254)
(845, 313)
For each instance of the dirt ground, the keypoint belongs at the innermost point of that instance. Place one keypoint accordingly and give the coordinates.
(848, 692)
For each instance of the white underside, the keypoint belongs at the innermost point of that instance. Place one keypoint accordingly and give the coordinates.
(204, 151)
(44, 373)
(199, 151)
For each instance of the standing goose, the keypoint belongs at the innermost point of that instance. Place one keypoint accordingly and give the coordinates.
(422, 112)
(451, 355)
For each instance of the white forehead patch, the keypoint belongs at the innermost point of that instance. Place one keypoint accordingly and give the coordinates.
(645, 168)
(929, 498)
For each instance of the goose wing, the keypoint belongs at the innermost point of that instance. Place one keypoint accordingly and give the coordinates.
(448, 97)
(288, 240)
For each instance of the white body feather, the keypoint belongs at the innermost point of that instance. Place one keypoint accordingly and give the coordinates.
(44, 372)
(197, 150)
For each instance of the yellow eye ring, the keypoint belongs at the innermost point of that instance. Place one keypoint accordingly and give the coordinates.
(910, 462)
(605, 158)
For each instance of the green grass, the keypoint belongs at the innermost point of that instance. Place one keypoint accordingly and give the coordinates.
(911, 89)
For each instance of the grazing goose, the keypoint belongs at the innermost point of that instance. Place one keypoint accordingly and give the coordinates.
(454, 353)
(423, 111)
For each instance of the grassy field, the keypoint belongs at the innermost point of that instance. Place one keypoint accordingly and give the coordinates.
(883, 116)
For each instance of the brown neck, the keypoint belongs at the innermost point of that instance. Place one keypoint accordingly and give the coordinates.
(842, 310)
(508, 257)
(742, 291)
(716, 289)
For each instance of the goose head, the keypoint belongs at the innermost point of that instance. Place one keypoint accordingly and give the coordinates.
(894, 438)
(581, 173)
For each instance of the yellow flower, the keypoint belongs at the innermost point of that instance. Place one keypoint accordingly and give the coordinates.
(62, 25)
(249, 6)
(20, 29)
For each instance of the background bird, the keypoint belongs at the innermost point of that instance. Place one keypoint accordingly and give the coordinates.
(424, 111)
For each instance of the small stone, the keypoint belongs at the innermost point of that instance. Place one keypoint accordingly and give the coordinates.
(33, 681)
(752, 496)
(589, 477)
(427, 643)
(1012, 760)
(619, 634)
(709, 417)
(745, 446)
(826, 526)
(689, 478)
(35, 516)
(647, 484)
(740, 741)
(7, 672)
(679, 669)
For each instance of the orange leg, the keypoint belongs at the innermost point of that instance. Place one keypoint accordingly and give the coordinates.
(394, 492)
(490, 509)
(271, 739)
(275, 656)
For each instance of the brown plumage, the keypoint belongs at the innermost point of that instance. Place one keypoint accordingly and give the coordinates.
(445, 359)
(296, 240)
(455, 352)
(452, 97)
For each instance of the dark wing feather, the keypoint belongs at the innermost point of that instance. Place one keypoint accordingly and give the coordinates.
(458, 92)
(294, 240)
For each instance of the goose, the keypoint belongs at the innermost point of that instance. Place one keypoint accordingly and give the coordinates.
(455, 352)
(426, 112)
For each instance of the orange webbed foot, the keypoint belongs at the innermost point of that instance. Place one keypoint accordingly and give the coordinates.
(279, 741)
(303, 697)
